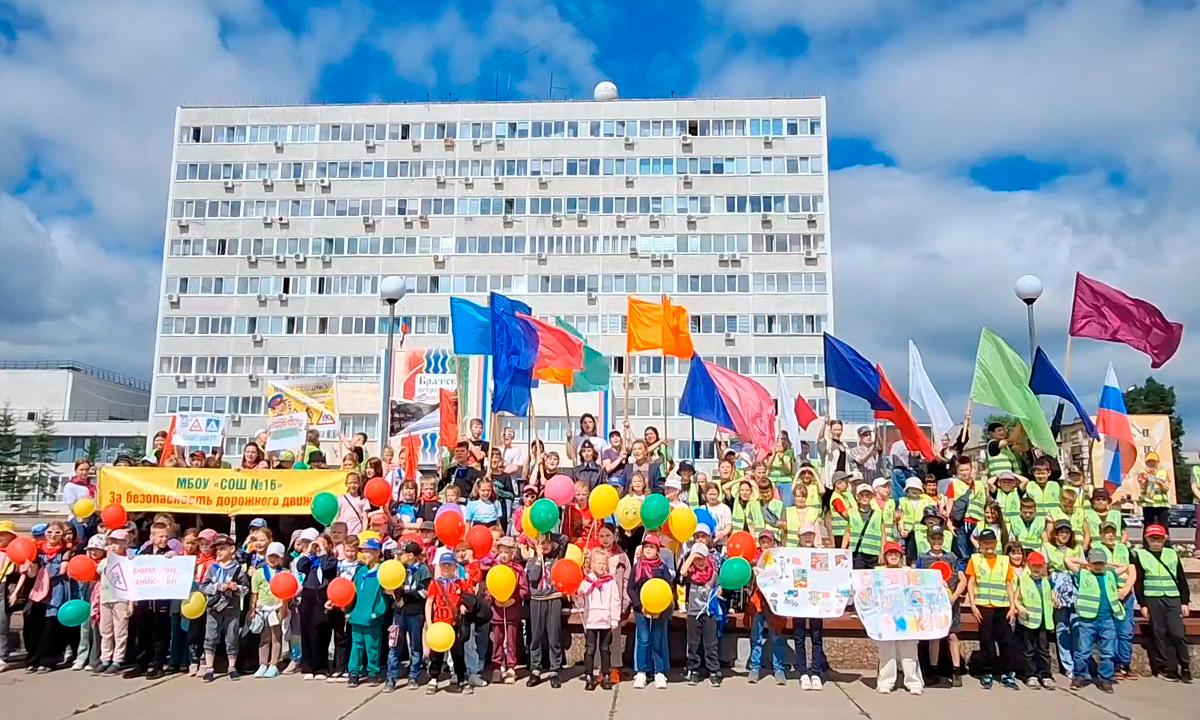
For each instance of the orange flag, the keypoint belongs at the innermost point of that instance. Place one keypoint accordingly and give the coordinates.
(677, 336)
(644, 326)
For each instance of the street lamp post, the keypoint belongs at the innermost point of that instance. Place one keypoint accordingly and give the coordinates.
(391, 291)
(1029, 289)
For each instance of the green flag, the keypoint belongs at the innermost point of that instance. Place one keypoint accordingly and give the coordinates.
(1002, 381)
(595, 373)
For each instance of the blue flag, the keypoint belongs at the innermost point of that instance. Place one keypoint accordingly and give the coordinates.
(470, 327)
(701, 399)
(514, 350)
(850, 372)
(1044, 379)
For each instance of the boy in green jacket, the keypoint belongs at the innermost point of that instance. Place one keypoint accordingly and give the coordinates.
(366, 617)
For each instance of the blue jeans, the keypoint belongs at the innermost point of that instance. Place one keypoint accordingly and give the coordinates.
(1124, 652)
(1066, 636)
(477, 636)
(1101, 633)
(410, 642)
(785, 492)
(761, 633)
(650, 651)
(810, 628)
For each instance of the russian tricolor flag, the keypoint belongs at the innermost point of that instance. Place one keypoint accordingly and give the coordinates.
(1113, 425)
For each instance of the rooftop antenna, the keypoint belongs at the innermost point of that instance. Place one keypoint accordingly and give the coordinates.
(553, 88)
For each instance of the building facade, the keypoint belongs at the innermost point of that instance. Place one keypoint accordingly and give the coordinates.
(88, 406)
(282, 220)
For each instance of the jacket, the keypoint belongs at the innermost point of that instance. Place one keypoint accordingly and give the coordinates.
(409, 598)
(369, 602)
(220, 600)
(601, 603)
(317, 570)
(635, 584)
(654, 478)
(620, 569)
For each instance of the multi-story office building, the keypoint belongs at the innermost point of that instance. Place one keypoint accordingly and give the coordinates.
(282, 220)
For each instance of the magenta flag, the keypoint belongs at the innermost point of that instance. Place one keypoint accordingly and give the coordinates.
(1105, 313)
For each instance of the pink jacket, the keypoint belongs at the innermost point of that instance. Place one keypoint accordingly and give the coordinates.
(601, 604)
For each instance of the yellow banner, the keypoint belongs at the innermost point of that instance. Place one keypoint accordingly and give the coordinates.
(315, 396)
(228, 492)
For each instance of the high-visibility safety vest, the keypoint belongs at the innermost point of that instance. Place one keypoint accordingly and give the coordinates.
(1054, 555)
(991, 584)
(1004, 461)
(1076, 518)
(1156, 493)
(692, 496)
(1095, 520)
(978, 497)
(748, 516)
(812, 495)
(794, 518)
(889, 515)
(1047, 498)
(1087, 602)
(1010, 505)
(866, 536)
(1083, 496)
(1028, 534)
(1158, 580)
(1118, 554)
(840, 523)
(1039, 603)
(913, 510)
(923, 545)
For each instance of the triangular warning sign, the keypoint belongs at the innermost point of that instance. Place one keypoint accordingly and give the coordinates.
(196, 426)
(326, 419)
(116, 578)
(212, 425)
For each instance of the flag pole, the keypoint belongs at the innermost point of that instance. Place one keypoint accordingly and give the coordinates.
(626, 387)
(531, 416)
(663, 435)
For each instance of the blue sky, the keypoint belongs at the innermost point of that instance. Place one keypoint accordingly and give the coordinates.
(970, 142)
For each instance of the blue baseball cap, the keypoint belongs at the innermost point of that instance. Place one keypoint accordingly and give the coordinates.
(39, 529)
(372, 544)
(447, 557)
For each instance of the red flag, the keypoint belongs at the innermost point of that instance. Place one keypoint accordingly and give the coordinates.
(804, 413)
(914, 438)
(557, 348)
(1105, 313)
(411, 448)
(448, 422)
(168, 448)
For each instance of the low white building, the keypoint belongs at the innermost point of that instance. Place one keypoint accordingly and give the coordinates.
(84, 402)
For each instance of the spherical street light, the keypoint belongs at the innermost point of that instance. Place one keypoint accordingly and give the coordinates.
(1028, 288)
(392, 289)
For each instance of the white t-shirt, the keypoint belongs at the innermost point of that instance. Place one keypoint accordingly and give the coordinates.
(72, 493)
(722, 514)
(514, 455)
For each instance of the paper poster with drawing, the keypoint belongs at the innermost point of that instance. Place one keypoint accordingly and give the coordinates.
(902, 604)
(805, 582)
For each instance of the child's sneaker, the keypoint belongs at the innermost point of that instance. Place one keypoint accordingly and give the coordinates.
(510, 676)
(751, 676)
(497, 676)
(805, 683)
(555, 681)
(352, 681)
(780, 678)
(233, 675)
(816, 682)
(986, 682)
(99, 668)
(193, 669)
(3, 666)
(916, 691)
(1048, 684)
(208, 676)
(431, 688)
(320, 677)
(292, 668)
(271, 672)
(80, 663)
(615, 676)
(660, 681)
(114, 669)
(589, 683)
(639, 681)
(335, 677)
(606, 683)
(693, 678)
(715, 680)
(261, 671)
(389, 686)
(1009, 681)
(468, 689)
(1033, 684)
(956, 679)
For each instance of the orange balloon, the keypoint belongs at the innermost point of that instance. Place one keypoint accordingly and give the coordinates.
(567, 576)
(378, 492)
(284, 586)
(341, 592)
(81, 568)
(741, 544)
(114, 516)
(450, 528)
(21, 550)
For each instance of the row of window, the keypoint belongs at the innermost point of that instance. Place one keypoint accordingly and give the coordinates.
(792, 283)
(486, 168)
(608, 324)
(498, 245)
(481, 206)
(521, 129)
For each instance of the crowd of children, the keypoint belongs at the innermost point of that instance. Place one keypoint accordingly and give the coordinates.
(1038, 562)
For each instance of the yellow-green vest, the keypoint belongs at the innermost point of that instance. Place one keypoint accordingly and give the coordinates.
(991, 584)
(793, 519)
(1010, 504)
(978, 497)
(693, 498)
(1039, 604)
(1030, 536)
(1004, 461)
(1157, 580)
(866, 537)
(1054, 555)
(1155, 495)
(1077, 519)
(1117, 555)
(913, 510)
(748, 516)
(1047, 499)
(840, 523)
(1094, 521)
(889, 514)
(923, 545)
(1083, 496)
(1087, 602)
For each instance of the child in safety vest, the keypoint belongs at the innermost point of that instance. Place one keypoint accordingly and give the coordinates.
(911, 509)
(812, 674)
(865, 538)
(1036, 621)
(1102, 513)
(956, 583)
(990, 587)
(1163, 594)
(898, 654)
(1100, 607)
(1069, 511)
(1028, 529)
(841, 504)
(1118, 554)
(1060, 544)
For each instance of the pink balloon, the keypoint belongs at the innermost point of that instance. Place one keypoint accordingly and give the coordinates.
(560, 489)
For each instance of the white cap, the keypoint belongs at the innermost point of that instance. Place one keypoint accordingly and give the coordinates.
(673, 483)
(912, 484)
(96, 542)
(881, 483)
(702, 528)
(309, 534)
(276, 548)
(862, 488)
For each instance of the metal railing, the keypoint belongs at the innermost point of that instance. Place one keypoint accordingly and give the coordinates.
(96, 372)
(111, 414)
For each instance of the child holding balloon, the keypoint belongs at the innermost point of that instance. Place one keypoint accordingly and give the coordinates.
(224, 585)
(545, 611)
(408, 617)
(700, 572)
(271, 611)
(365, 618)
(651, 597)
(9, 572)
(445, 606)
(508, 591)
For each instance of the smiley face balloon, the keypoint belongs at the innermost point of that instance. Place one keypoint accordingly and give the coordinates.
(629, 512)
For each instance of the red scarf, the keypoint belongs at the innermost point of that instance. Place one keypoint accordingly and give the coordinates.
(646, 567)
(702, 570)
(44, 548)
(84, 482)
(598, 581)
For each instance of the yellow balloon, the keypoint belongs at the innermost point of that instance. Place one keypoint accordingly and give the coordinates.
(682, 523)
(527, 525)
(501, 582)
(575, 553)
(194, 606)
(603, 501)
(656, 596)
(629, 512)
(440, 636)
(84, 508)
(391, 574)
(366, 535)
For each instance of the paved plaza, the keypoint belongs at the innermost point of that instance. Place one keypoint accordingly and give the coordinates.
(67, 694)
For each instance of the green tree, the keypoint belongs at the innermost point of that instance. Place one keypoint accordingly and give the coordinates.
(11, 482)
(136, 448)
(1007, 420)
(1154, 398)
(39, 459)
(92, 452)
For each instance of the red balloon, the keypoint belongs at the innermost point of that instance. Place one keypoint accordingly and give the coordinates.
(82, 568)
(567, 576)
(341, 592)
(114, 516)
(378, 492)
(943, 567)
(450, 528)
(741, 544)
(839, 506)
(480, 539)
(21, 550)
(284, 586)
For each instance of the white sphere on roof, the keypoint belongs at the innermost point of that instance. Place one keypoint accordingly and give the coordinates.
(605, 90)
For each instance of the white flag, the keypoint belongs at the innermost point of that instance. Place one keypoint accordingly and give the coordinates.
(923, 394)
(787, 410)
